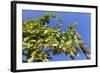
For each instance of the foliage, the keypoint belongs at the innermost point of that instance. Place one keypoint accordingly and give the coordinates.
(38, 37)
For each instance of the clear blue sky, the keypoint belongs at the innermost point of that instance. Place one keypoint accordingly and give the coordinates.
(83, 27)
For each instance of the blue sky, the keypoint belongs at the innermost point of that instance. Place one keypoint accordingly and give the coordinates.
(83, 27)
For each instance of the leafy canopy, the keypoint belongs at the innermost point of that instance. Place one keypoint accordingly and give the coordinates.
(39, 39)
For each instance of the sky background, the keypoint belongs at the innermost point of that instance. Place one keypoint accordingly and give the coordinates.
(83, 27)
